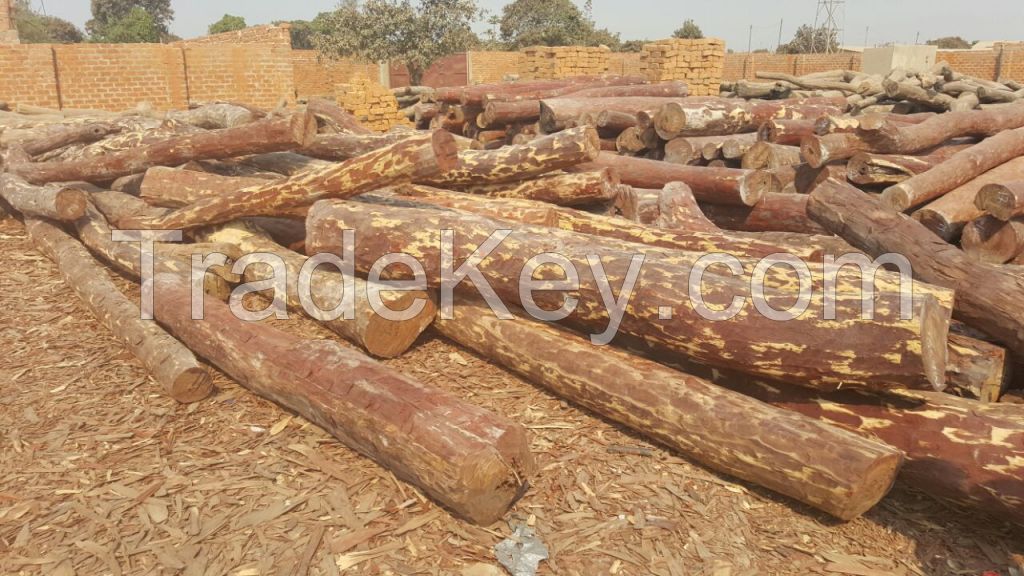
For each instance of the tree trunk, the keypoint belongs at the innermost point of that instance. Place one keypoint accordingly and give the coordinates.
(671, 89)
(519, 162)
(883, 352)
(59, 136)
(890, 138)
(614, 121)
(774, 213)
(714, 185)
(731, 116)
(810, 83)
(959, 169)
(976, 368)
(538, 89)
(560, 189)
(832, 470)
(344, 146)
(555, 112)
(948, 215)
(170, 363)
(689, 150)
(216, 116)
(987, 298)
(733, 147)
(270, 135)
(335, 117)
(470, 460)
(174, 188)
(1004, 200)
(765, 155)
(992, 240)
(54, 201)
(786, 132)
(866, 168)
(413, 158)
(678, 210)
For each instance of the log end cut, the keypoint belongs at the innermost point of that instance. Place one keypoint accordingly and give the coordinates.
(756, 184)
(446, 149)
(191, 385)
(495, 480)
(997, 200)
(70, 204)
(897, 198)
(875, 483)
(813, 152)
(386, 338)
(934, 341)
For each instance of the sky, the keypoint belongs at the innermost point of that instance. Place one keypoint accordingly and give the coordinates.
(880, 21)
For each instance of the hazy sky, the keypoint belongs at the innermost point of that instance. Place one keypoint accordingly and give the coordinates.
(889, 20)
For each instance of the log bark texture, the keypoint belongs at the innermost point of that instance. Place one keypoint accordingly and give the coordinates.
(343, 146)
(174, 188)
(947, 216)
(560, 189)
(866, 168)
(773, 213)
(54, 201)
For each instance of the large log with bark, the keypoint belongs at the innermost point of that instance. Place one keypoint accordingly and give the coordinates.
(731, 116)
(343, 146)
(576, 189)
(882, 352)
(773, 213)
(817, 464)
(959, 169)
(61, 135)
(418, 157)
(766, 155)
(987, 297)
(174, 188)
(947, 216)
(556, 112)
(482, 94)
(474, 462)
(54, 201)
(866, 168)
(714, 185)
(271, 135)
(992, 240)
(977, 369)
(170, 363)
(335, 117)
(1003, 200)
(786, 132)
(521, 161)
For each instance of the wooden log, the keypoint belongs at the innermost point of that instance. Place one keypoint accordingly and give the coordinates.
(765, 90)
(283, 163)
(615, 121)
(977, 369)
(959, 169)
(725, 431)
(54, 201)
(715, 185)
(986, 296)
(520, 162)
(474, 462)
(866, 168)
(671, 89)
(773, 213)
(901, 90)
(948, 215)
(62, 135)
(416, 157)
(733, 146)
(992, 240)
(786, 132)
(730, 116)
(172, 365)
(678, 210)
(1003, 200)
(216, 116)
(559, 189)
(482, 94)
(890, 138)
(499, 113)
(336, 118)
(555, 112)
(765, 155)
(344, 146)
(689, 149)
(257, 137)
(810, 83)
(889, 351)
(174, 188)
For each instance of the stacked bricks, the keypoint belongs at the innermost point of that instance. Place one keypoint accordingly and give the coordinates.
(699, 63)
(553, 62)
(27, 76)
(492, 67)
(256, 74)
(624, 64)
(120, 76)
(372, 104)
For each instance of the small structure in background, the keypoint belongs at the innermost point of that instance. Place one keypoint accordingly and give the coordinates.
(8, 33)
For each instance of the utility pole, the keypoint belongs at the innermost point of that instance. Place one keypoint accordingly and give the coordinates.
(917, 39)
(866, 30)
(750, 38)
(779, 43)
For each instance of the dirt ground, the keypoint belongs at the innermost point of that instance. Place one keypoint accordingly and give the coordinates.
(101, 474)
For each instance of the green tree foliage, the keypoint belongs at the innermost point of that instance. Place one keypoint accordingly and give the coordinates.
(413, 34)
(633, 45)
(228, 23)
(544, 23)
(302, 31)
(950, 43)
(35, 28)
(604, 37)
(113, 19)
(689, 30)
(810, 40)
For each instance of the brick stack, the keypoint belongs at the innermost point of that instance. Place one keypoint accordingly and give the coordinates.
(372, 104)
(699, 63)
(549, 62)
(490, 67)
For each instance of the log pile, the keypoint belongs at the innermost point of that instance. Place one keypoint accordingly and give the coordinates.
(686, 264)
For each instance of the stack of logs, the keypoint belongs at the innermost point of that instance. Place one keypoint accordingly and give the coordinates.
(827, 404)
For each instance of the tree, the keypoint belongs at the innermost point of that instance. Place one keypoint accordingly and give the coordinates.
(950, 43)
(415, 35)
(228, 23)
(689, 30)
(633, 45)
(302, 31)
(810, 40)
(544, 23)
(604, 37)
(119, 14)
(138, 26)
(35, 28)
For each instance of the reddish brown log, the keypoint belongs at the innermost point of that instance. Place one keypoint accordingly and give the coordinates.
(731, 116)
(765, 155)
(171, 364)
(786, 132)
(539, 89)
(343, 146)
(59, 136)
(520, 162)
(733, 146)
(883, 352)
(474, 462)
(977, 369)
(774, 213)
(959, 169)
(614, 121)
(560, 189)
(726, 431)
(334, 116)
(714, 185)
(672, 89)
(416, 157)
(1004, 200)
(174, 188)
(555, 112)
(54, 201)
(866, 168)
(678, 210)
(689, 150)
(987, 297)
(270, 135)
(992, 240)
(947, 216)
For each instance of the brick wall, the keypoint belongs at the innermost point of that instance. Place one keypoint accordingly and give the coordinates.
(972, 62)
(316, 76)
(490, 67)
(741, 66)
(1012, 62)
(119, 76)
(27, 72)
(256, 74)
(6, 15)
(267, 34)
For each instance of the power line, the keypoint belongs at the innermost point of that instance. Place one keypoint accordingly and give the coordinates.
(829, 14)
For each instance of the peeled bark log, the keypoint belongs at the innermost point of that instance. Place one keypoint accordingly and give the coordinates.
(344, 146)
(774, 213)
(929, 98)
(786, 132)
(170, 363)
(992, 240)
(814, 463)
(216, 116)
(977, 369)
(715, 185)
(671, 89)
(416, 157)
(270, 135)
(948, 215)
(883, 352)
(810, 83)
(987, 297)
(1004, 200)
(733, 146)
(866, 168)
(334, 116)
(283, 163)
(615, 121)
(174, 188)
(472, 461)
(559, 189)
(890, 138)
(678, 210)
(482, 94)
(63, 135)
(54, 201)
(959, 169)
(729, 116)
(765, 155)
(689, 150)
(519, 162)
(555, 112)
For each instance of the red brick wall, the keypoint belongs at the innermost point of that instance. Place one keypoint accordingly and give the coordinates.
(1012, 63)
(315, 76)
(6, 15)
(119, 76)
(740, 65)
(971, 62)
(267, 34)
(255, 74)
(27, 75)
